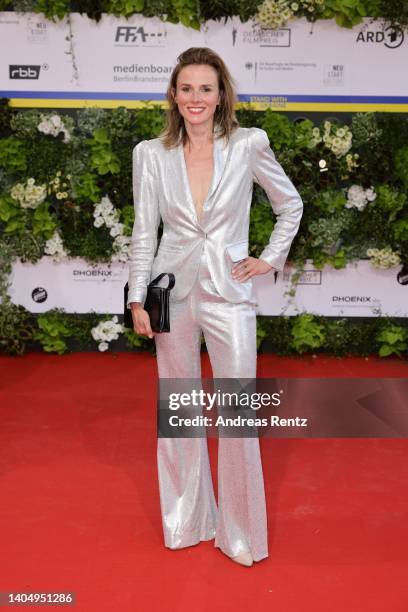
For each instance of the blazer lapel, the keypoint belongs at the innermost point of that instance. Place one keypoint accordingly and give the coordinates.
(220, 154)
(221, 150)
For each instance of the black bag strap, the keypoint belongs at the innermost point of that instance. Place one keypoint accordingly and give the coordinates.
(172, 280)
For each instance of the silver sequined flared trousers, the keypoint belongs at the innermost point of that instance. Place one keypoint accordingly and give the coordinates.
(188, 506)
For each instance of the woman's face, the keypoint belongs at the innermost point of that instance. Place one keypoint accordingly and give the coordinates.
(197, 94)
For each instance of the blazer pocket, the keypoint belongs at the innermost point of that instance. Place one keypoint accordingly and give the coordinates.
(238, 250)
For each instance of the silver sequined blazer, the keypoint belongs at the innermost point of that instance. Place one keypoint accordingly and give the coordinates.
(161, 190)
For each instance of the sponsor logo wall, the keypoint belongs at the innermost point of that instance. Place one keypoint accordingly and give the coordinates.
(124, 61)
(358, 290)
(128, 61)
(74, 285)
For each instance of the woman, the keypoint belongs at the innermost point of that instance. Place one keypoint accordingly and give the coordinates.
(198, 177)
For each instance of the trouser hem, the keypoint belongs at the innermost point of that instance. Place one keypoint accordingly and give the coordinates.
(183, 540)
(256, 556)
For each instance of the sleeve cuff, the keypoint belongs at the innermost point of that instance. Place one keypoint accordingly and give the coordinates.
(276, 261)
(136, 297)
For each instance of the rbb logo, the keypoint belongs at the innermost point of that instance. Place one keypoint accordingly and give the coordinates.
(24, 72)
(130, 34)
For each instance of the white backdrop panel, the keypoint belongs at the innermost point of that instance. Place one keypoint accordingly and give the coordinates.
(131, 59)
(355, 291)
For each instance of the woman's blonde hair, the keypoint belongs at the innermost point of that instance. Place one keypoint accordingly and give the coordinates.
(224, 116)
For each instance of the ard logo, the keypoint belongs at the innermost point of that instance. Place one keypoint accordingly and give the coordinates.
(391, 37)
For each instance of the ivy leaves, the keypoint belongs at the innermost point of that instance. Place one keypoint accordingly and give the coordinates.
(103, 159)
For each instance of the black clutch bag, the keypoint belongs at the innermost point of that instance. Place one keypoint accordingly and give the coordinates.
(157, 304)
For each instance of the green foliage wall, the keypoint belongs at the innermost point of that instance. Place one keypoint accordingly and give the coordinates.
(193, 13)
(65, 189)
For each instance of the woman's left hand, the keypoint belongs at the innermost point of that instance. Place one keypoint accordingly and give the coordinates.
(248, 267)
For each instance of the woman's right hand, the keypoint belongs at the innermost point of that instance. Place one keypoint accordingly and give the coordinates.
(141, 320)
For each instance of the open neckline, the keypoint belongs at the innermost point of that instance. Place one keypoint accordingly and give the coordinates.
(187, 181)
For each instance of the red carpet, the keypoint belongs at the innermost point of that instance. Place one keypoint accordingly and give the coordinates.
(80, 506)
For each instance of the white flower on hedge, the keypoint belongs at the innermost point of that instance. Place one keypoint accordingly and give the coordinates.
(358, 197)
(53, 125)
(111, 220)
(122, 248)
(106, 214)
(116, 230)
(106, 211)
(55, 247)
(56, 121)
(351, 160)
(370, 194)
(29, 195)
(44, 127)
(338, 140)
(106, 331)
(274, 13)
(383, 258)
(99, 222)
